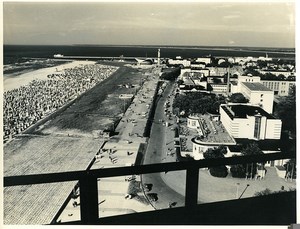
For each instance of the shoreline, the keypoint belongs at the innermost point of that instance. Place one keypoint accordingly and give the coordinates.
(13, 81)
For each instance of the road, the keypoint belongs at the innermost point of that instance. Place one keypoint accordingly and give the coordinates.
(156, 153)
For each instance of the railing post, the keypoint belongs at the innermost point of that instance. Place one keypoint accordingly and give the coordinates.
(89, 200)
(191, 187)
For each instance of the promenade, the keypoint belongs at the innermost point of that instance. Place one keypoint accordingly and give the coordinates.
(121, 150)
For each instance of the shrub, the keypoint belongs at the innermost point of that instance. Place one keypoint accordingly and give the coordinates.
(238, 171)
(220, 171)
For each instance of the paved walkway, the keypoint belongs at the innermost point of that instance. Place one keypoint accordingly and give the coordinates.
(121, 150)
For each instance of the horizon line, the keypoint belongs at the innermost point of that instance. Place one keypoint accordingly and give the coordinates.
(154, 45)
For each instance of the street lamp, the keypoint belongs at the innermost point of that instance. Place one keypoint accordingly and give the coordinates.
(244, 191)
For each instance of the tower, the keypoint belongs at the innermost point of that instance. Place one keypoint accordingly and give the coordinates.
(158, 57)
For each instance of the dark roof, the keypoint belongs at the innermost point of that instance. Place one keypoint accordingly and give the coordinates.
(256, 86)
(241, 111)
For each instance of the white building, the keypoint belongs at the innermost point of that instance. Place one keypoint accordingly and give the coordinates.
(206, 60)
(256, 92)
(217, 71)
(210, 134)
(281, 88)
(219, 88)
(258, 95)
(277, 73)
(185, 63)
(251, 122)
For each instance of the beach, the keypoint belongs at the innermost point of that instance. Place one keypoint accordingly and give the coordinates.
(11, 81)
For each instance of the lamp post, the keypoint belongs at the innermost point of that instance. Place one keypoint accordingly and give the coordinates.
(244, 191)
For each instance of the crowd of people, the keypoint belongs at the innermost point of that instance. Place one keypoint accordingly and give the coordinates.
(27, 104)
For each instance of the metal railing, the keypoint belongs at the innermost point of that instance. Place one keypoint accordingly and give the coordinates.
(88, 179)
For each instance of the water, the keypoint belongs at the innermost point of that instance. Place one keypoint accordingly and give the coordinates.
(19, 53)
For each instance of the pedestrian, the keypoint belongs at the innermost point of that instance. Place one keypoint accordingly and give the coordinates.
(75, 204)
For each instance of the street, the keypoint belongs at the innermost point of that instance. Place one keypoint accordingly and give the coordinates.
(157, 153)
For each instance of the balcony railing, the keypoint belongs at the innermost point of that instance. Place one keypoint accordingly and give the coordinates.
(89, 189)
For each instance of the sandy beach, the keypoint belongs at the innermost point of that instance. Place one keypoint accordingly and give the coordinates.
(11, 81)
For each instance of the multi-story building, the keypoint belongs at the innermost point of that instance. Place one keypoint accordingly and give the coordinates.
(258, 95)
(256, 92)
(219, 88)
(280, 87)
(251, 122)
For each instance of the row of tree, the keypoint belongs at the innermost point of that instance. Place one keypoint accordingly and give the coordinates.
(171, 74)
(286, 111)
(248, 170)
(239, 171)
(197, 102)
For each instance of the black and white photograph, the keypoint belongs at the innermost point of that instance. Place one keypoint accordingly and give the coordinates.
(149, 113)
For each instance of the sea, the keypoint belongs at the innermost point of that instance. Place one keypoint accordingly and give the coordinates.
(20, 53)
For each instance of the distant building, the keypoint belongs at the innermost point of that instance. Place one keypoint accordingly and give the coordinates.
(285, 73)
(280, 87)
(251, 122)
(58, 55)
(195, 65)
(184, 63)
(206, 60)
(192, 81)
(217, 71)
(219, 88)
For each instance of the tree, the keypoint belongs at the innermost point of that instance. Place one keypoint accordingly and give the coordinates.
(219, 171)
(218, 152)
(286, 111)
(170, 75)
(251, 149)
(238, 98)
(290, 168)
(197, 102)
(238, 171)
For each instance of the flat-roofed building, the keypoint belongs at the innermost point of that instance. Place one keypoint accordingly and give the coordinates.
(285, 73)
(183, 62)
(211, 134)
(258, 95)
(219, 88)
(280, 87)
(217, 71)
(206, 60)
(251, 122)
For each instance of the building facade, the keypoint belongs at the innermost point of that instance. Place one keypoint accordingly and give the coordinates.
(251, 122)
(280, 87)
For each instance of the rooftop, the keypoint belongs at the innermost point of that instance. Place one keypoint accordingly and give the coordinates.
(242, 111)
(212, 132)
(256, 86)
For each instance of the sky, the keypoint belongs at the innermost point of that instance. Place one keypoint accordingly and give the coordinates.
(259, 24)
